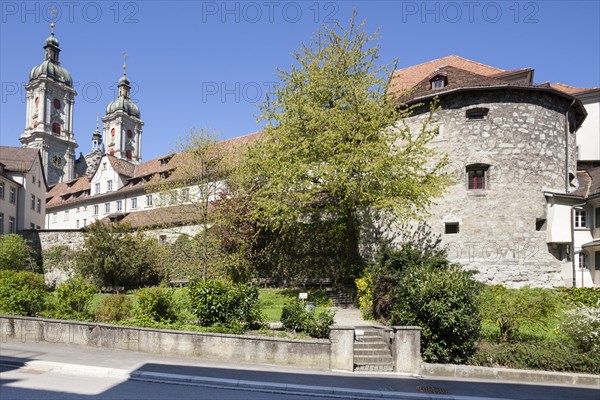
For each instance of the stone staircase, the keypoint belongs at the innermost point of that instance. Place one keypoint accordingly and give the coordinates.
(339, 298)
(372, 350)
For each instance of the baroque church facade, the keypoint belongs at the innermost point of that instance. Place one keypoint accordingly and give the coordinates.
(523, 210)
(50, 103)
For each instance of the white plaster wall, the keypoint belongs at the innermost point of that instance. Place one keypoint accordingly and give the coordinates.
(588, 136)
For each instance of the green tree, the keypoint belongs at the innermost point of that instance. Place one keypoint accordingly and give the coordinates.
(195, 188)
(335, 149)
(15, 253)
(115, 256)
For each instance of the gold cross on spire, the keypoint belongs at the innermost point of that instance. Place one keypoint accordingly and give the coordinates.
(97, 120)
(53, 13)
(125, 55)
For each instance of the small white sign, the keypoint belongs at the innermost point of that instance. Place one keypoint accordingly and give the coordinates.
(303, 296)
(359, 332)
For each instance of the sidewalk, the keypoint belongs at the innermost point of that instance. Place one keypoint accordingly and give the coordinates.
(147, 367)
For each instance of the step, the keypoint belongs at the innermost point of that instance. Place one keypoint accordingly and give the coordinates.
(373, 368)
(371, 352)
(371, 346)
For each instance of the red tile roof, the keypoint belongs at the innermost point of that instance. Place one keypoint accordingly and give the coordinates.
(406, 78)
(572, 90)
(70, 192)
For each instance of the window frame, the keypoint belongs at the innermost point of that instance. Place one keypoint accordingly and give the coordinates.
(134, 203)
(12, 225)
(12, 195)
(580, 220)
(1, 190)
(482, 171)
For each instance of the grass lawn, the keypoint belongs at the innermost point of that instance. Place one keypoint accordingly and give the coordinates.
(272, 300)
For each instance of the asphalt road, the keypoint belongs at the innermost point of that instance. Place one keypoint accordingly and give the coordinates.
(80, 380)
(24, 384)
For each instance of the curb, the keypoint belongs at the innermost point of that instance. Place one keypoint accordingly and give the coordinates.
(508, 374)
(232, 384)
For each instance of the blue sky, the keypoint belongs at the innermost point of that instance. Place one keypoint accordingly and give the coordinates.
(209, 64)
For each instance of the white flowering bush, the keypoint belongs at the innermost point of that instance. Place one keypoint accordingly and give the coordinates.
(582, 326)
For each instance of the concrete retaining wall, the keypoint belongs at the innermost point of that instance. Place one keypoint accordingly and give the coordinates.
(177, 343)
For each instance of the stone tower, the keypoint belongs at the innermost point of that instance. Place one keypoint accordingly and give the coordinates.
(122, 125)
(49, 115)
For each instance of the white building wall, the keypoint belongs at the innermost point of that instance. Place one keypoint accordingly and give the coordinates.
(588, 136)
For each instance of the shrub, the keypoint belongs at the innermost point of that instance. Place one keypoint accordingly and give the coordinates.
(22, 293)
(14, 253)
(510, 308)
(443, 301)
(582, 326)
(156, 304)
(72, 299)
(544, 355)
(222, 302)
(580, 296)
(295, 317)
(114, 308)
(364, 287)
(387, 271)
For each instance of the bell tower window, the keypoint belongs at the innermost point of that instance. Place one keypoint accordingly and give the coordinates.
(56, 128)
(128, 154)
(56, 103)
(129, 134)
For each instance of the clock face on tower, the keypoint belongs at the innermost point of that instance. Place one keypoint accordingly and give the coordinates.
(56, 160)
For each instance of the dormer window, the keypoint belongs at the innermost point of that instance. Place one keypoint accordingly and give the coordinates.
(438, 80)
(164, 161)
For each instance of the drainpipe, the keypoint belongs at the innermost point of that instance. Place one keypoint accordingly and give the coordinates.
(573, 244)
(567, 145)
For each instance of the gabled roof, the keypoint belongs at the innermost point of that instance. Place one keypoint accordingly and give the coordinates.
(406, 78)
(122, 167)
(18, 159)
(455, 77)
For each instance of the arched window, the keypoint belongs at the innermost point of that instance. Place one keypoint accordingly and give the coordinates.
(477, 176)
(112, 152)
(129, 133)
(56, 103)
(128, 154)
(56, 128)
(37, 102)
(112, 132)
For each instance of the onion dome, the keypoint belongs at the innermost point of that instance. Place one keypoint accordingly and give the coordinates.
(123, 103)
(50, 67)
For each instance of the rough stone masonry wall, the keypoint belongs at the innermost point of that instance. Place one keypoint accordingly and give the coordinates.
(523, 140)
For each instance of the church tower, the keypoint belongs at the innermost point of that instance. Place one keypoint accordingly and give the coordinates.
(49, 115)
(122, 125)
